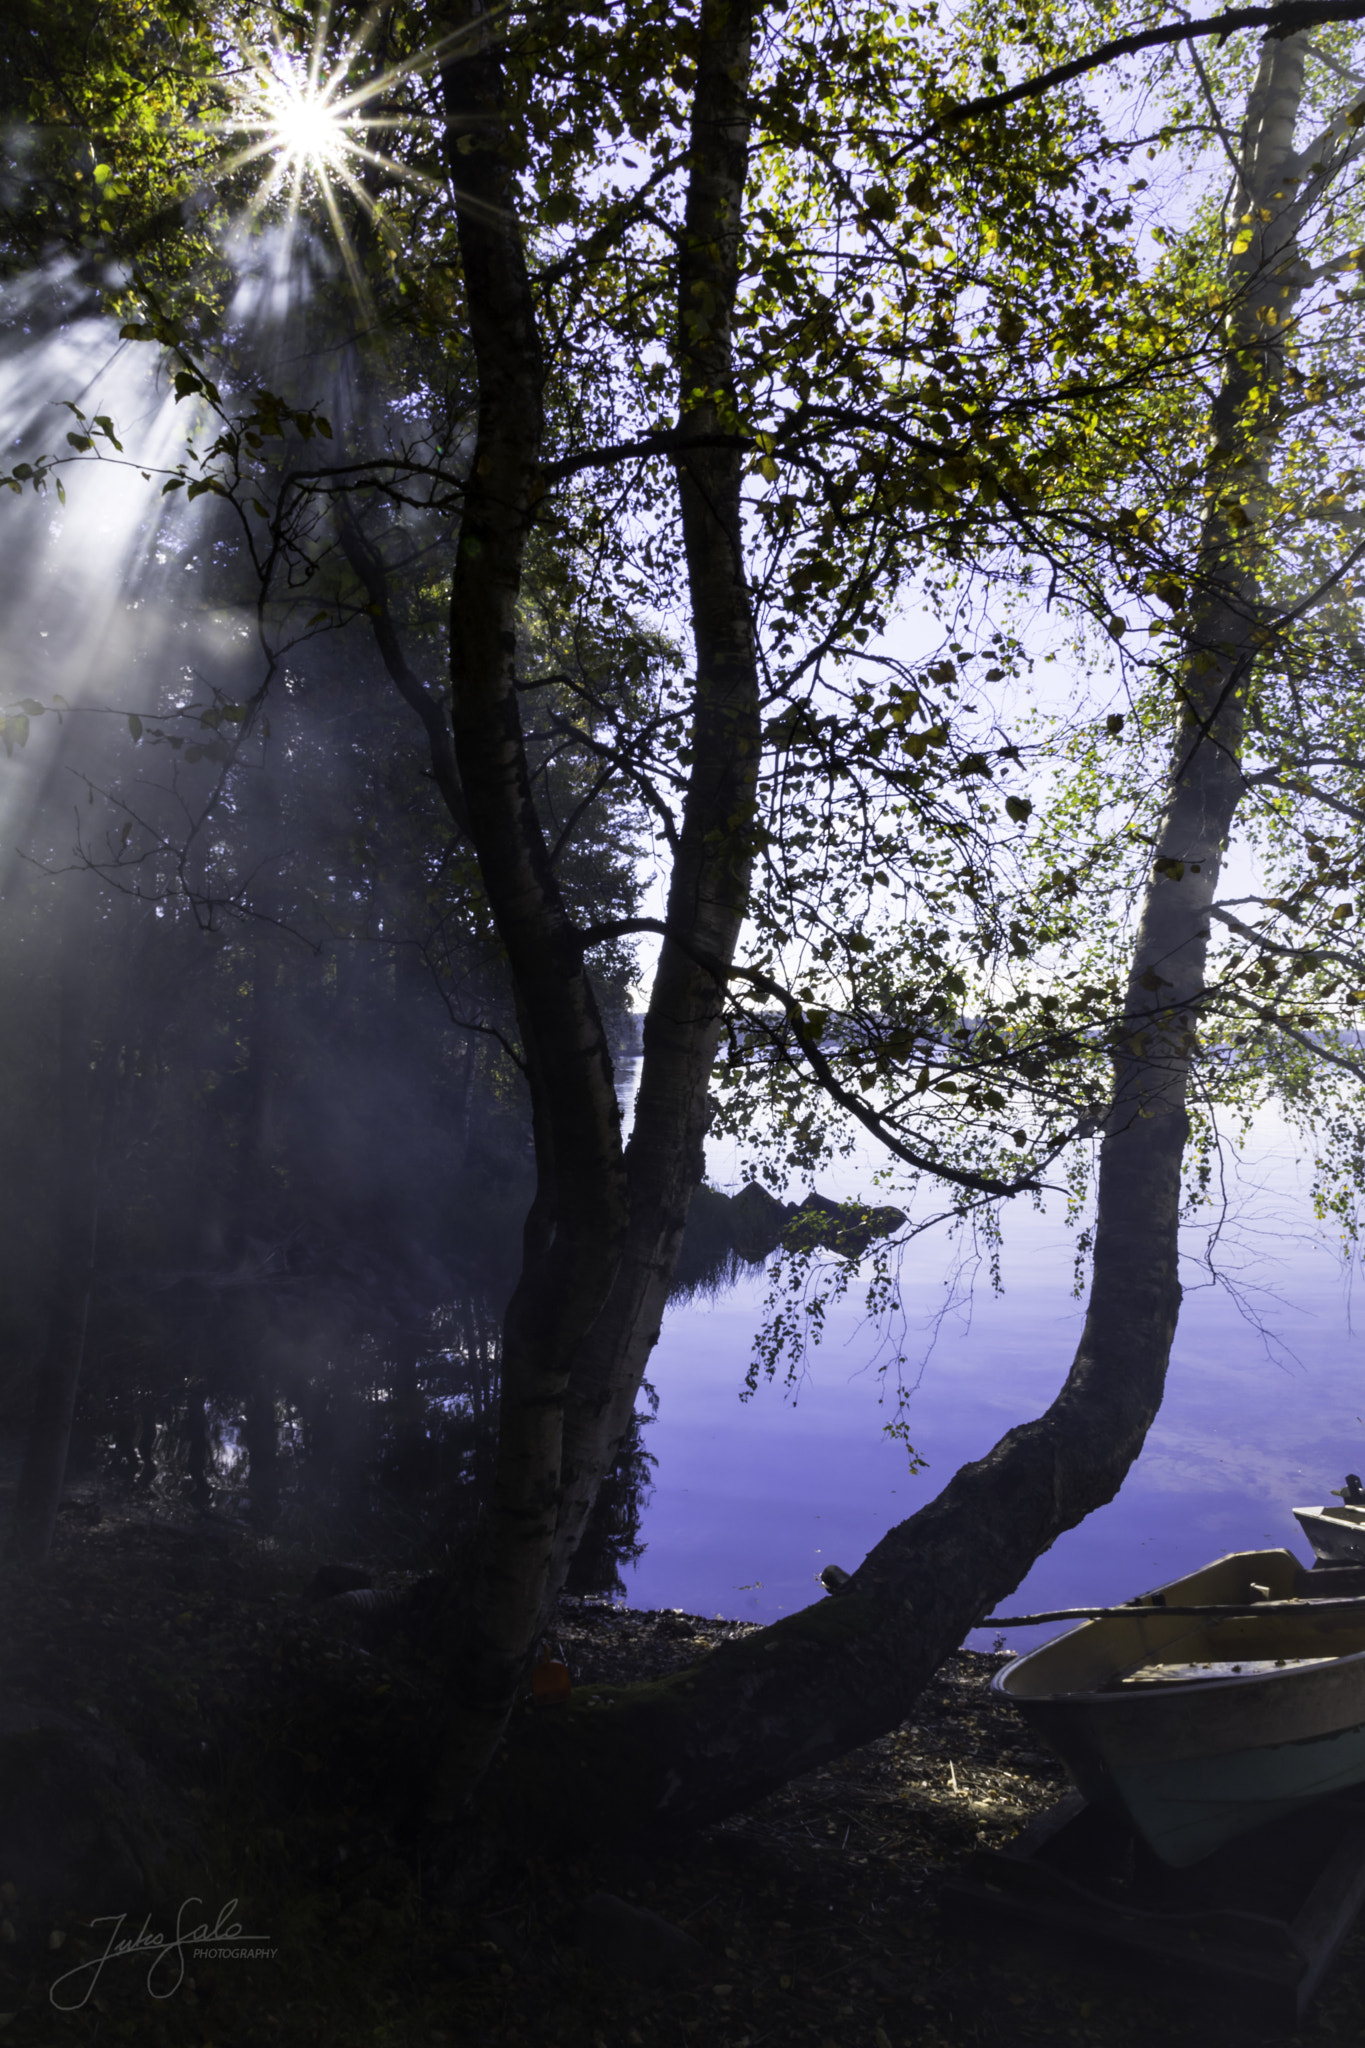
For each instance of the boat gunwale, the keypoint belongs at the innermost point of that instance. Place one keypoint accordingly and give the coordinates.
(1095, 1695)
(1102, 1696)
(1346, 1514)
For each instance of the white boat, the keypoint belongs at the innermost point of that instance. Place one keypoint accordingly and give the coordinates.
(1337, 1534)
(1202, 1727)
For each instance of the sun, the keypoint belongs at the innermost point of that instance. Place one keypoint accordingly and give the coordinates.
(304, 125)
(312, 125)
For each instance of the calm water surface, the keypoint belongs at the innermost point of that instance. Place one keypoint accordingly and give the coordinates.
(751, 1499)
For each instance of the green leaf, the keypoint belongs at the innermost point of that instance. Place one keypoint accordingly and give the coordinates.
(1019, 808)
(135, 726)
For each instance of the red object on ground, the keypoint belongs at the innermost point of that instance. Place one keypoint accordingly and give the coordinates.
(550, 1685)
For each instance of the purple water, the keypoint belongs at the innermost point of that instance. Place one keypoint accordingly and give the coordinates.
(752, 1499)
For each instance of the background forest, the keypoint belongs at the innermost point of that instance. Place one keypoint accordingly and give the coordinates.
(278, 1049)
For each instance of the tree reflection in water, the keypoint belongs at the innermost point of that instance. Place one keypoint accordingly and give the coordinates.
(374, 1434)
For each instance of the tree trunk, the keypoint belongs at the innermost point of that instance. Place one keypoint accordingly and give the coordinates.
(709, 888)
(604, 1230)
(759, 1712)
(197, 1447)
(573, 1233)
(250, 1319)
(146, 1449)
(261, 1433)
(49, 1432)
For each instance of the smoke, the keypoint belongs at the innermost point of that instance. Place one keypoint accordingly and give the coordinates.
(220, 837)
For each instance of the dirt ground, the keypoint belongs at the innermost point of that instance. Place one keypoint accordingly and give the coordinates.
(285, 1746)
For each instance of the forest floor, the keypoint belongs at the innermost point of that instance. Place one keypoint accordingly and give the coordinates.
(283, 1745)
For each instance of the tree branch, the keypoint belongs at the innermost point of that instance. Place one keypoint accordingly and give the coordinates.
(979, 1183)
(1267, 945)
(666, 441)
(1320, 1052)
(1285, 19)
(368, 566)
(1266, 780)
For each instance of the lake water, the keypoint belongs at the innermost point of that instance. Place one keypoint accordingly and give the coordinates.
(752, 1498)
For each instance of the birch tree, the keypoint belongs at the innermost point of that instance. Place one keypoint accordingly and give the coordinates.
(817, 1683)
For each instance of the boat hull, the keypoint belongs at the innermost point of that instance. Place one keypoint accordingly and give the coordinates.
(1194, 1760)
(1336, 1534)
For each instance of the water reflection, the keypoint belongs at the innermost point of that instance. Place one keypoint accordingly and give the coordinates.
(369, 1429)
(301, 1396)
(751, 1499)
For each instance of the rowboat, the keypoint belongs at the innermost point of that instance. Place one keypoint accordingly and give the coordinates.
(1337, 1534)
(1200, 1728)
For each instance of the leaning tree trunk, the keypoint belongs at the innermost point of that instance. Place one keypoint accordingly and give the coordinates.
(817, 1683)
